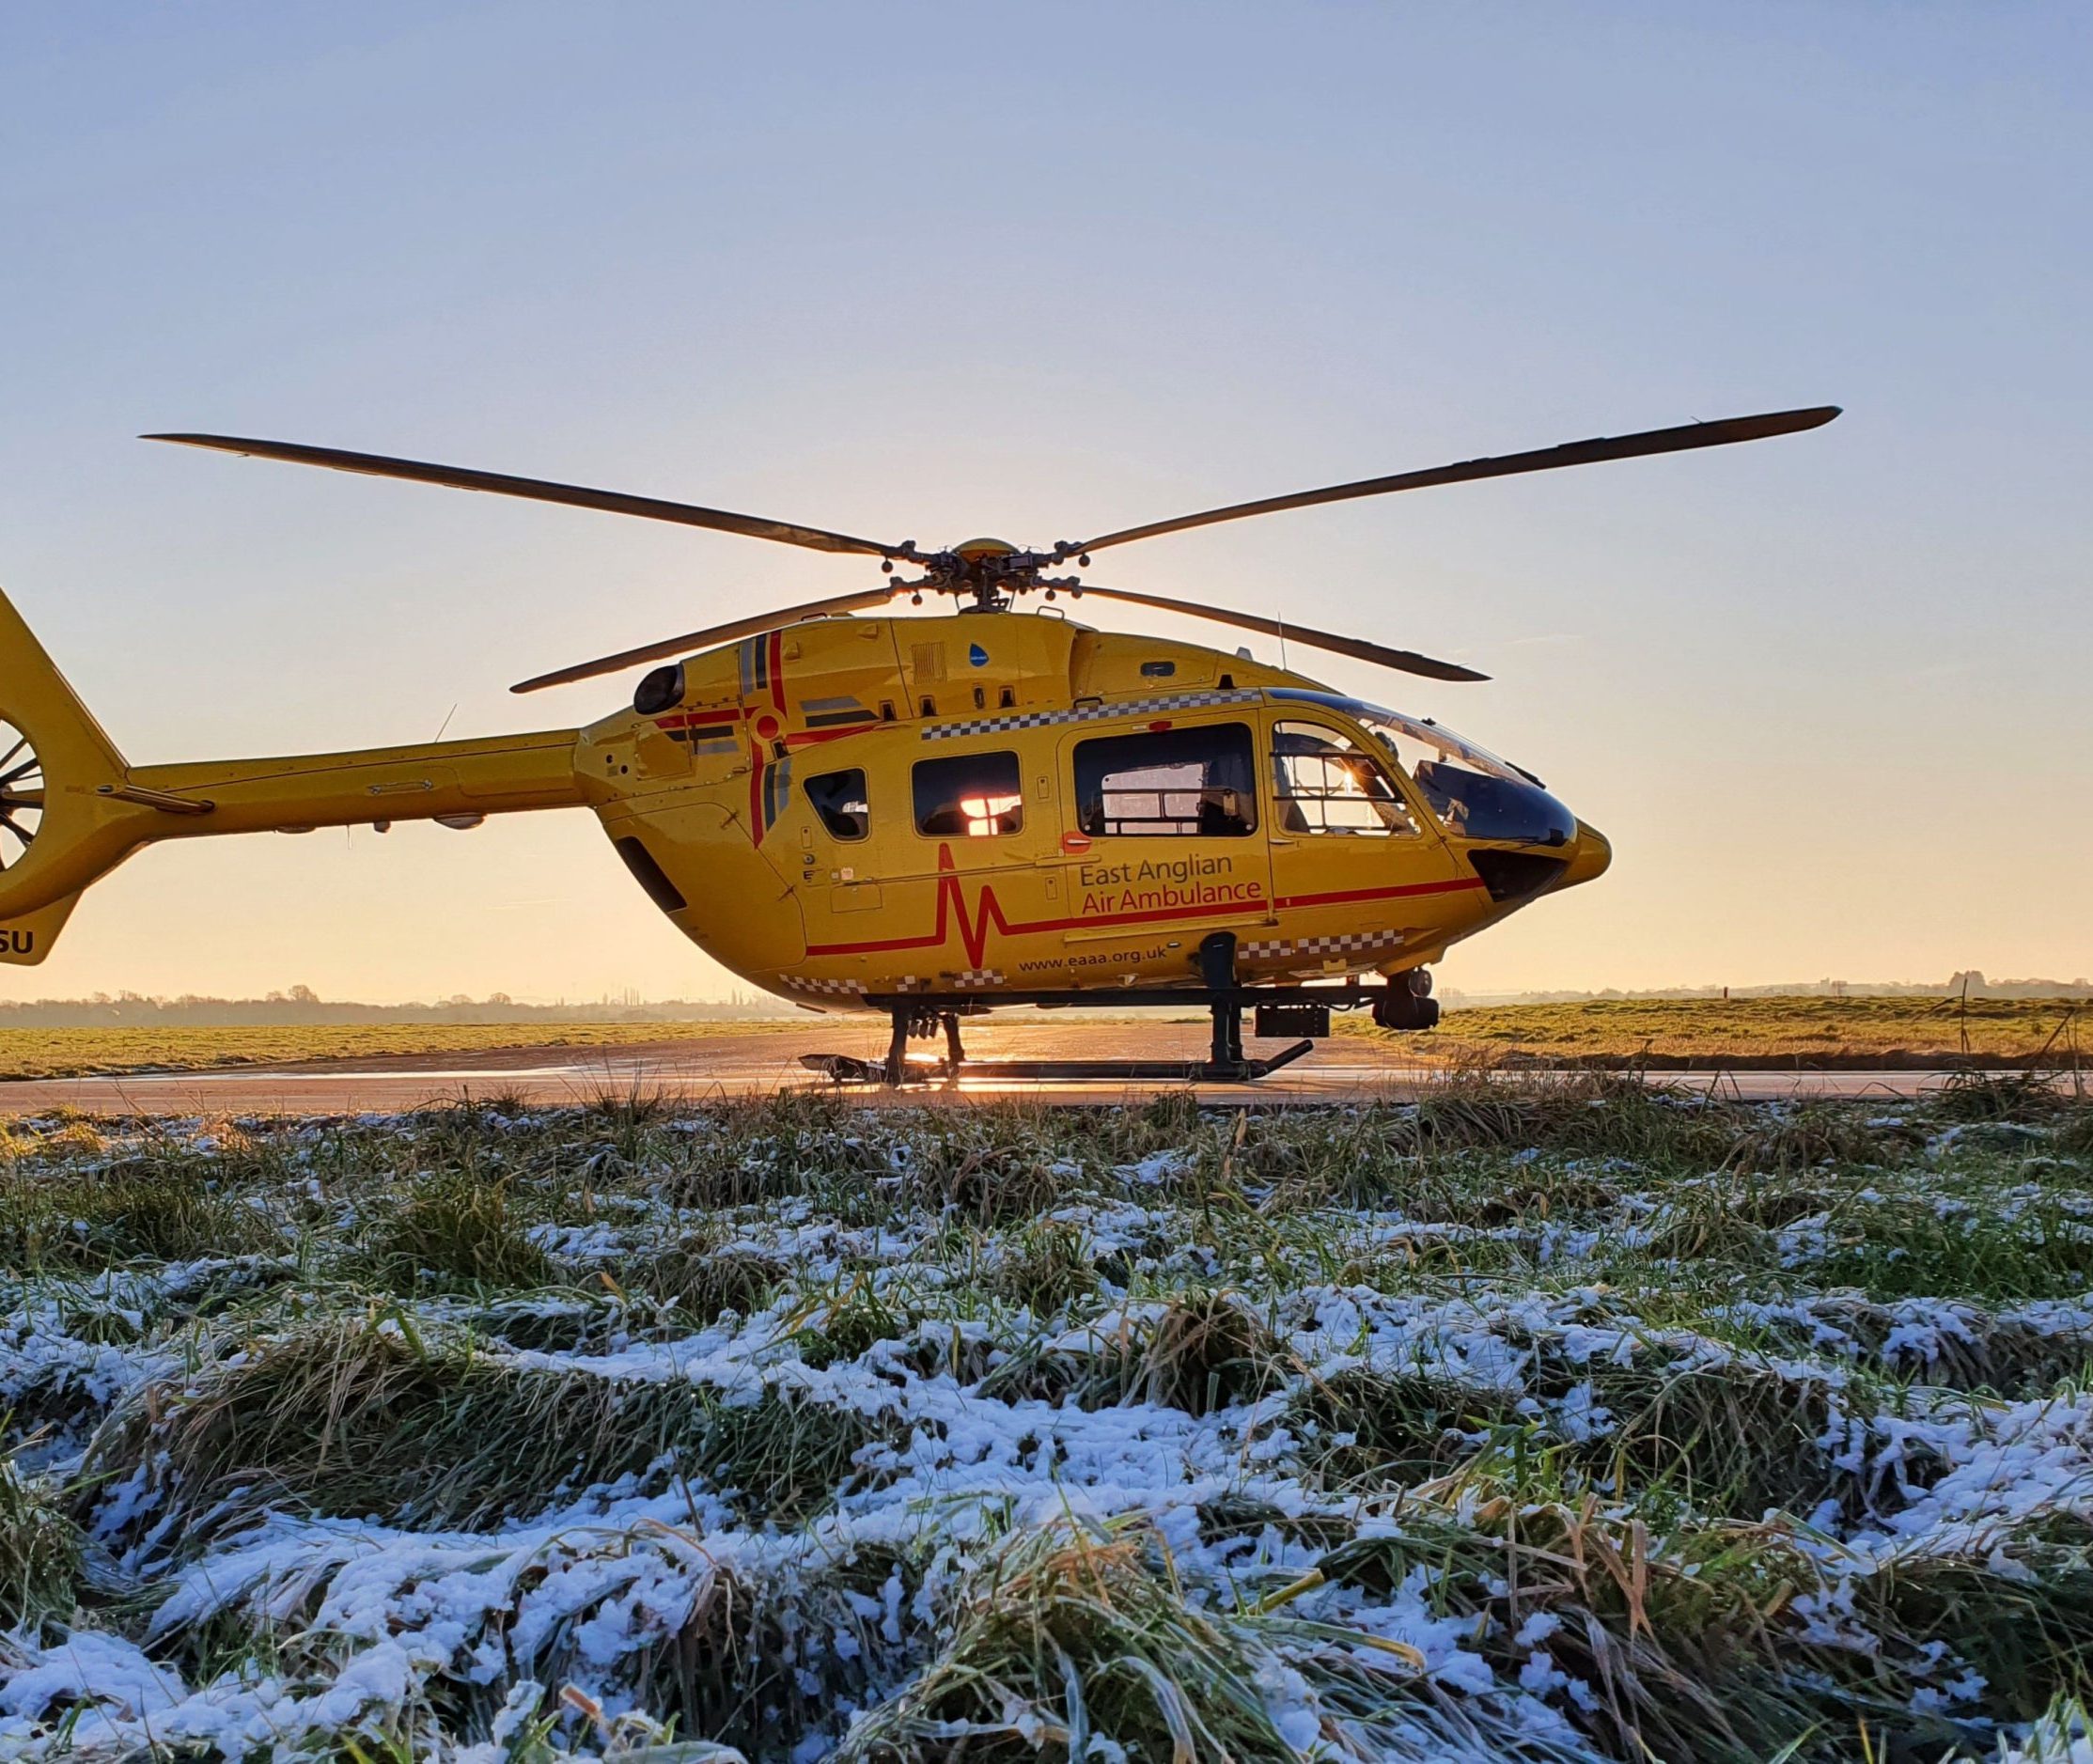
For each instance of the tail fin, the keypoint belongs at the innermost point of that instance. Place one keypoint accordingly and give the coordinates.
(71, 810)
(59, 827)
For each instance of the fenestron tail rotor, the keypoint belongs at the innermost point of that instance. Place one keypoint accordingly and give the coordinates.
(20, 794)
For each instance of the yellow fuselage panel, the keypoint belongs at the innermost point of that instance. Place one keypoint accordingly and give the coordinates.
(714, 791)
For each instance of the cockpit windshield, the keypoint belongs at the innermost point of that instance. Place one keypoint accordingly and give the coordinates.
(1474, 794)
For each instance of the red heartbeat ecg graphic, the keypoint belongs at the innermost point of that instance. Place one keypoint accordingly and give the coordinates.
(951, 902)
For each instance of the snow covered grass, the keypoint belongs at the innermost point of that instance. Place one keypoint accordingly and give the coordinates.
(1558, 1422)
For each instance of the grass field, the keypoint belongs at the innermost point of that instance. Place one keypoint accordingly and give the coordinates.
(1702, 1033)
(1759, 1032)
(1557, 1421)
(74, 1053)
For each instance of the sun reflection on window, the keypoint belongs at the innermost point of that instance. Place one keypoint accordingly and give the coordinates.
(985, 814)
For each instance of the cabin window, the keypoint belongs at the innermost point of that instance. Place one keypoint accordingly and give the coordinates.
(839, 798)
(1326, 783)
(972, 796)
(1188, 783)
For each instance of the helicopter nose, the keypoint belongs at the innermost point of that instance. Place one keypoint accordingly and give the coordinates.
(1589, 857)
(1591, 854)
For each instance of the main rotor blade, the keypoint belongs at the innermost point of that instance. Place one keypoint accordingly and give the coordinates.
(692, 641)
(539, 489)
(1407, 660)
(1504, 465)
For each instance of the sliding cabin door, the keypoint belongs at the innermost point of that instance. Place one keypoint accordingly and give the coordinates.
(1164, 845)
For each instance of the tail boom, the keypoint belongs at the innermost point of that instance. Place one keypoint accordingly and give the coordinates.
(75, 808)
(443, 780)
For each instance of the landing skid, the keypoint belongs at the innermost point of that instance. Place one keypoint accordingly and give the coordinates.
(847, 1070)
(1289, 1010)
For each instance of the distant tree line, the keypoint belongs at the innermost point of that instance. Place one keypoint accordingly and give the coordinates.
(1970, 981)
(301, 1005)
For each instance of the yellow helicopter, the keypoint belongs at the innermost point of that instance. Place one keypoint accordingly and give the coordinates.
(928, 817)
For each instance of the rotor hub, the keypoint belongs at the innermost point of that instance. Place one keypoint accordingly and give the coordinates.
(992, 572)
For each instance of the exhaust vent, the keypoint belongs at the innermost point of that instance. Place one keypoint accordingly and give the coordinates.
(662, 690)
(650, 875)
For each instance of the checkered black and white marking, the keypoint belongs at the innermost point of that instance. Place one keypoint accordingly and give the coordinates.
(978, 976)
(1343, 943)
(1087, 713)
(849, 988)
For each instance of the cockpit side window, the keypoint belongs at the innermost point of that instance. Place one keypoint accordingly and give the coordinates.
(839, 799)
(1326, 783)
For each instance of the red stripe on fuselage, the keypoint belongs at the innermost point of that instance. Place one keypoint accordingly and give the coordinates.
(697, 719)
(973, 926)
(811, 737)
(1455, 886)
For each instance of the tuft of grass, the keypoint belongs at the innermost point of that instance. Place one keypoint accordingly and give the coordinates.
(784, 1457)
(1072, 1640)
(1891, 1248)
(136, 1210)
(1989, 1096)
(1816, 1135)
(1669, 1635)
(739, 1671)
(2025, 1625)
(1367, 1429)
(852, 1323)
(461, 1229)
(2073, 1132)
(1736, 1439)
(370, 1417)
(703, 1281)
(1044, 1267)
(39, 1555)
(1594, 1114)
(1205, 1352)
(991, 1184)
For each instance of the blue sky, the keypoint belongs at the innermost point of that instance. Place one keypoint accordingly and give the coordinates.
(925, 270)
